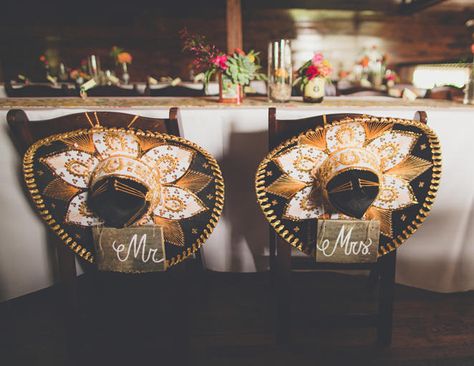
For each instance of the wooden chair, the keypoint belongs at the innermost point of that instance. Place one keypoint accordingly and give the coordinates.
(444, 93)
(360, 91)
(26, 132)
(174, 91)
(113, 91)
(282, 263)
(38, 91)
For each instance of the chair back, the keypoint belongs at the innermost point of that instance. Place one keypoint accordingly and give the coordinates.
(280, 130)
(38, 91)
(175, 91)
(444, 93)
(26, 132)
(113, 91)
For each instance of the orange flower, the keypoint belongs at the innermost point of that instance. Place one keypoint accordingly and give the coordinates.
(281, 73)
(42, 58)
(239, 51)
(124, 57)
(365, 61)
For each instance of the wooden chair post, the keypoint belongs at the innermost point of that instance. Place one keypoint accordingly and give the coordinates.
(387, 268)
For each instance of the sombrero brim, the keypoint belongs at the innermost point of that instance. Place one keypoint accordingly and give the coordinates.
(415, 172)
(59, 195)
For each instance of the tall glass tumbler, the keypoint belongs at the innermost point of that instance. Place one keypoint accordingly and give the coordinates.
(279, 71)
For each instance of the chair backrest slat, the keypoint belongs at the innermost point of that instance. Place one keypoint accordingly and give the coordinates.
(26, 132)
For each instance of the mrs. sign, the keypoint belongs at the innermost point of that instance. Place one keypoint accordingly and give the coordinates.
(347, 241)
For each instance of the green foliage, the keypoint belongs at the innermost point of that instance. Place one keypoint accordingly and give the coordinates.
(242, 69)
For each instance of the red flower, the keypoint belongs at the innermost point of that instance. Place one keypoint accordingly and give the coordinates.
(311, 72)
(472, 48)
(220, 61)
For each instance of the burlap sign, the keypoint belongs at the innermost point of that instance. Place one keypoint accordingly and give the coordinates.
(347, 241)
(131, 249)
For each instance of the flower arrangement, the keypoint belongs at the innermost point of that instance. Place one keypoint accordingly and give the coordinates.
(120, 56)
(318, 66)
(239, 67)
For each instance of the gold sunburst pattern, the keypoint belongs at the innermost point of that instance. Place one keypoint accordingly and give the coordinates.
(314, 138)
(60, 190)
(194, 181)
(376, 128)
(80, 142)
(285, 186)
(172, 230)
(410, 168)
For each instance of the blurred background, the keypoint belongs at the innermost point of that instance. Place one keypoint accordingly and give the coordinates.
(426, 42)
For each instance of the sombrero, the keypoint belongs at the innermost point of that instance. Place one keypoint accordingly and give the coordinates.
(368, 168)
(124, 178)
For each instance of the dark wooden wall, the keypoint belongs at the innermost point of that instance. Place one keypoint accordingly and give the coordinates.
(71, 31)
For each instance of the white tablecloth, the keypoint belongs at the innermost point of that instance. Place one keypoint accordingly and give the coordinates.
(438, 257)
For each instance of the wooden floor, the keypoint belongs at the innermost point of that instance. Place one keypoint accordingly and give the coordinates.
(230, 319)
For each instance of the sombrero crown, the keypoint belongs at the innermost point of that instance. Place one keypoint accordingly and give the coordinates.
(368, 168)
(118, 177)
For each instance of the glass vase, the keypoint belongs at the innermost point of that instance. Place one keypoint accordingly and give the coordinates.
(125, 74)
(229, 92)
(313, 91)
(279, 71)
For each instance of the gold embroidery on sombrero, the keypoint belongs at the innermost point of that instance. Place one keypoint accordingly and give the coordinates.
(81, 142)
(179, 203)
(303, 206)
(194, 181)
(285, 186)
(147, 142)
(78, 212)
(346, 135)
(372, 145)
(172, 161)
(172, 230)
(394, 194)
(375, 129)
(393, 147)
(63, 165)
(60, 190)
(109, 143)
(117, 153)
(299, 161)
(410, 168)
(385, 218)
(314, 138)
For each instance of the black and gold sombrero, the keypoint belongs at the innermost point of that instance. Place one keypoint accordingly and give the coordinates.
(384, 169)
(125, 177)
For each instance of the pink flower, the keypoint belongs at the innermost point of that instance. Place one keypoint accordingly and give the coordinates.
(220, 61)
(311, 72)
(317, 58)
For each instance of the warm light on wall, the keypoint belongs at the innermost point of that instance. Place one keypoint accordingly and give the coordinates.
(429, 76)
